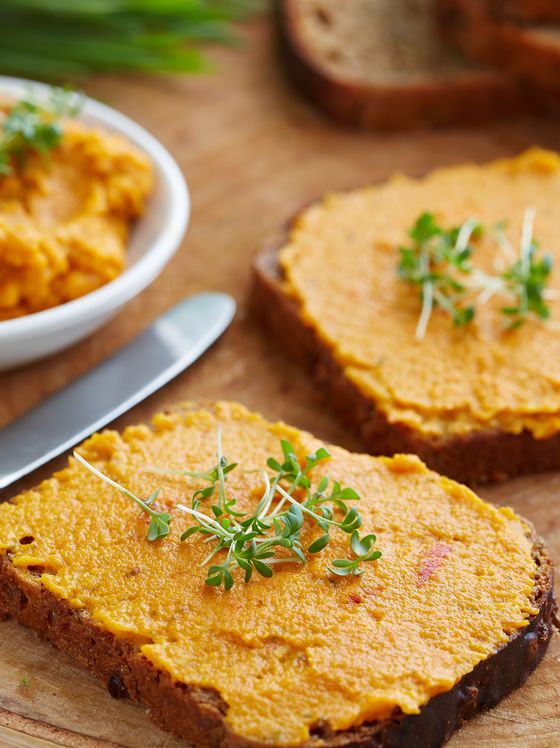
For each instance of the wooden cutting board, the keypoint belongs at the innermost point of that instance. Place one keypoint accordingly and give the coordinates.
(253, 153)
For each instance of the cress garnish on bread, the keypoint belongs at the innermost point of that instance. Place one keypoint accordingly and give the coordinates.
(449, 619)
(345, 291)
(440, 263)
(252, 539)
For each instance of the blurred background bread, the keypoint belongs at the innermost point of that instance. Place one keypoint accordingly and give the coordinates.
(403, 64)
(382, 64)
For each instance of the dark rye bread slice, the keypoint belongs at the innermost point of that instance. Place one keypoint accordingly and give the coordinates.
(379, 64)
(531, 53)
(524, 11)
(474, 458)
(197, 714)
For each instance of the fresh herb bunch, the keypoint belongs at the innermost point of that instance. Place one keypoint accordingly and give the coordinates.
(271, 534)
(33, 127)
(160, 522)
(64, 39)
(439, 262)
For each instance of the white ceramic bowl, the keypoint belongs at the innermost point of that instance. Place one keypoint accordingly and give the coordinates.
(154, 240)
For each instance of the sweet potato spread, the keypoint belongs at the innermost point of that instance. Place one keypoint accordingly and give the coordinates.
(65, 219)
(454, 582)
(340, 265)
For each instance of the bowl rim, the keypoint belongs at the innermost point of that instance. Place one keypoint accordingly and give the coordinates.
(138, 276)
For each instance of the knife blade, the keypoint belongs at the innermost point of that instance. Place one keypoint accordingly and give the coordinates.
(87, 404)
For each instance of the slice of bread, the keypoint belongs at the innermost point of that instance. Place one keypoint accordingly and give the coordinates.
(380, 64)
(524, 11)
(453, 616)
(328, 292)
(529, 52)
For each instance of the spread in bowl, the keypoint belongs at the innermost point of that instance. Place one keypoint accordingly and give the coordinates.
(69, 194)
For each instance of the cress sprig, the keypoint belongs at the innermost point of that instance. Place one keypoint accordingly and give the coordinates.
(216, 478)
(435, 262)
(271, 534)
(526, 279)
(33, 127)
(439, 263)
(364, 551)
(160, 522)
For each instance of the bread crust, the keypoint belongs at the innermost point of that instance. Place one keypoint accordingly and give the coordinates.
(524, 11)
(519, 50)
(428, 104)
(473, 458)
(198, 715)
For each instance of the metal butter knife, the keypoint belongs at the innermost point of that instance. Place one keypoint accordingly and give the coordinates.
(151, 360)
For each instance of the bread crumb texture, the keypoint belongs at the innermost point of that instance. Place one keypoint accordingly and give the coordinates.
(65, 218)
(454, 583)
(340, 265)
(390, 41)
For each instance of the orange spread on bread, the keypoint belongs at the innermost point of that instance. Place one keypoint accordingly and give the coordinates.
(303, 646)
(340, 265)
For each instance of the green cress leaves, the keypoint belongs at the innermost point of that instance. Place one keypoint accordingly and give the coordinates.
(159, 521)
(527, 278)
(255, 542)
(271, 535)
(439, 262)
(364, 551)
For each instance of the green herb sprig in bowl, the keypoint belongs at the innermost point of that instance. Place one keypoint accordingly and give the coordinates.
(31, 126)
(258, 541)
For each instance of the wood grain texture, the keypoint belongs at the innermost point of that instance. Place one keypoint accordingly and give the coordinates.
(253, 154)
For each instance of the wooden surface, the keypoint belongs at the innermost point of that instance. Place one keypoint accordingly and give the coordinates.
(253, 153)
